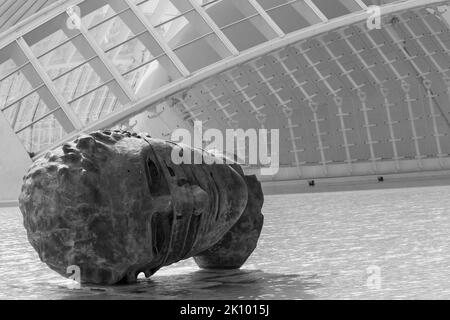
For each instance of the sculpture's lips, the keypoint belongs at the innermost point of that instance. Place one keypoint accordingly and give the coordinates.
(115, 205)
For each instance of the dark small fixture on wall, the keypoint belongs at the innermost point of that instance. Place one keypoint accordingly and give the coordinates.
(312, 183)
(380, 179)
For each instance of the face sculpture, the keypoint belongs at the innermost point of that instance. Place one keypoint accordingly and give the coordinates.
(115, 205)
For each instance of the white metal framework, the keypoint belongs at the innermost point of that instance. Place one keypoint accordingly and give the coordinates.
(348, 100)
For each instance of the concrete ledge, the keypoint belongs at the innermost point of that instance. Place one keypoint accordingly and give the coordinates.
(370, 182)
(8, 204)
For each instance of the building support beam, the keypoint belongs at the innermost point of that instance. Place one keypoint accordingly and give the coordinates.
(219, 33)
(73, 122)
(316, 10)
(267, 18)
(172, 56)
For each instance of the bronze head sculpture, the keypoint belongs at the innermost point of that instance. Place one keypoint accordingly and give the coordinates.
(115, 205)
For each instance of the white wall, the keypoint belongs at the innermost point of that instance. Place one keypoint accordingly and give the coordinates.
(14, 163)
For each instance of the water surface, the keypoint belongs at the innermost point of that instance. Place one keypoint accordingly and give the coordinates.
(313, 246)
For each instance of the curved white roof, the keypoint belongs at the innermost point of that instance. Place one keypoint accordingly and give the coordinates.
(236, 63)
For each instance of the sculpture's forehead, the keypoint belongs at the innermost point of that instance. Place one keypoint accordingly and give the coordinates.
(101, 148)
(130, 162)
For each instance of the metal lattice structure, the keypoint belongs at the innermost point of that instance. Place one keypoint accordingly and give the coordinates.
(348, 100)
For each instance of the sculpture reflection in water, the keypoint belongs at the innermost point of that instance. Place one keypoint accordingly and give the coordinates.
(114, 204)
